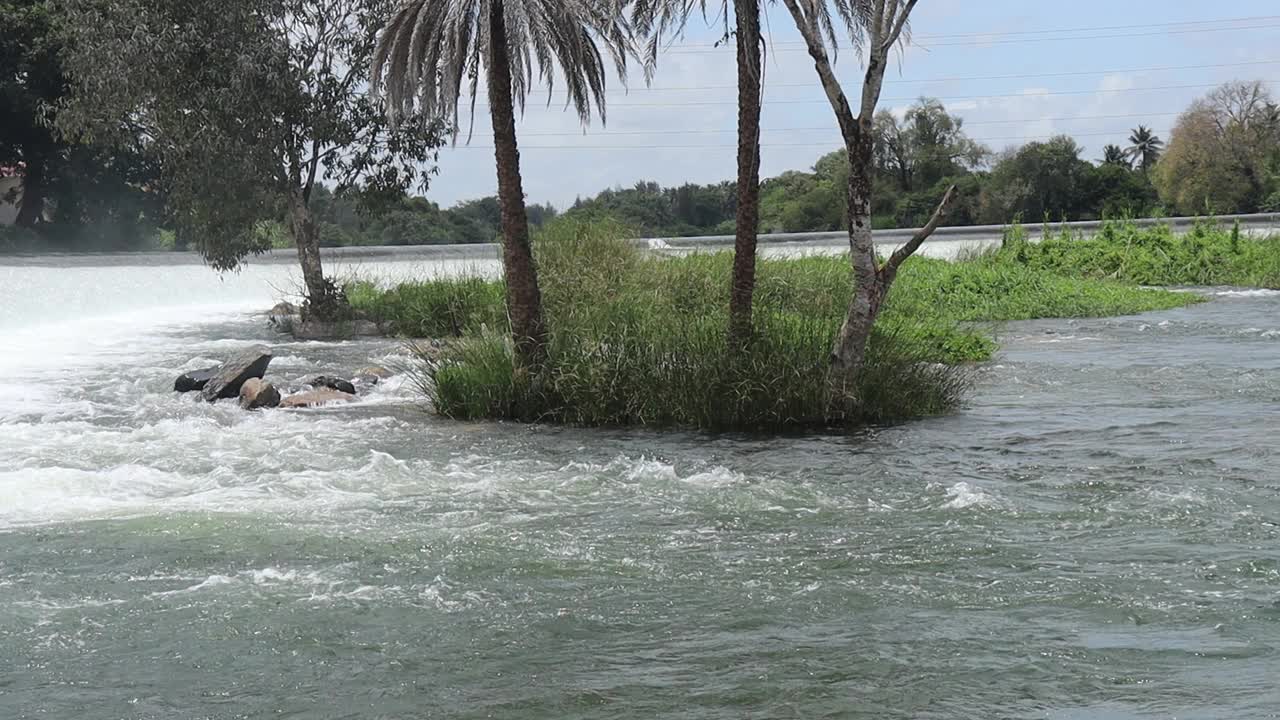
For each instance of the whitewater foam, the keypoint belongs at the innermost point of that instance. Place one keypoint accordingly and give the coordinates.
(963, 495)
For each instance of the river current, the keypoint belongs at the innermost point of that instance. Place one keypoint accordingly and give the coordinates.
(1095, 535)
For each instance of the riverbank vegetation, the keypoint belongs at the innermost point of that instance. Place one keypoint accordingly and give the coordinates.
(637, 338)
(1209, 254)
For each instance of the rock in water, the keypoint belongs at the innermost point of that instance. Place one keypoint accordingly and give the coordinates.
(227, 383)
(257, 394)
(316, 398)
(194, 380)
(374, 371)
(332, 383)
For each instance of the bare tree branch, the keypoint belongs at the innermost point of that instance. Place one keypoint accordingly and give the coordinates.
(817, 51)
(901, 254)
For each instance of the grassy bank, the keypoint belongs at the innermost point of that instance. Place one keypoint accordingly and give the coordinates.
(638, 339)
(1210, 254)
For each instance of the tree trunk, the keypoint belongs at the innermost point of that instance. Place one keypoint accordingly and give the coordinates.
(850, 347)
(321, 298)
(747, 13)
(31, 209)
(524, 299)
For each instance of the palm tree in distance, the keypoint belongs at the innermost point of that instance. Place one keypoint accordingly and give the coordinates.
(430, 48)
(1115, 155)
(1144, 148)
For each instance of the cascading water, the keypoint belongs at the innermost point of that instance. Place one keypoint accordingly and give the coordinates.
(1095, 536)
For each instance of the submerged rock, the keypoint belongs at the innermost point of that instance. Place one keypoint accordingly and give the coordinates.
(312, 329)
(233, 375)
(284, 308)
(332, 383)
(373, 373)
(257, 394)
(316, 398)
(194, 380)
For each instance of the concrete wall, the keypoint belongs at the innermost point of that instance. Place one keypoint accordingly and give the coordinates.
(8, 211)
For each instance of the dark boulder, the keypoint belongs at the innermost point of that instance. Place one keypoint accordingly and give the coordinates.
(194, 380)
(233, 374)
(332, 383)
(257, 394)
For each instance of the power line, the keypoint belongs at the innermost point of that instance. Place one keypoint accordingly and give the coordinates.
(1022, 40)
(1095, 28)
(770, 145)
(701, 103)
(827, 128)
(971, 78)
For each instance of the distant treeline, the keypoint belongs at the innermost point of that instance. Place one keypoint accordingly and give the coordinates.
(1223, 157)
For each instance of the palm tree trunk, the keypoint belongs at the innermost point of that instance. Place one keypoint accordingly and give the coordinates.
(747, 13)
(524, 298)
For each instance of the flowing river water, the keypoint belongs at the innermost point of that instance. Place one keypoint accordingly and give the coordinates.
(1095, 535)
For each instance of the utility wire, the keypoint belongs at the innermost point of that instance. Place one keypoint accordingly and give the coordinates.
(704, 103)
(971, 78)
(835, 141)
(825, 128)
(926, 45)
(1048, 31)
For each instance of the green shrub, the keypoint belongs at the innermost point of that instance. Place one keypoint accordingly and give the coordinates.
(1210, 254)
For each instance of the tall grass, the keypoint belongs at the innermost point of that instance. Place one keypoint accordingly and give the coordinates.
(1210, 254)
(446, 307)
(639, 339)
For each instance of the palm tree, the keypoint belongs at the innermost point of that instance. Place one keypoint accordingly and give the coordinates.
(663, 17)
(430, 47)
(1115, 155)
(1145, 148)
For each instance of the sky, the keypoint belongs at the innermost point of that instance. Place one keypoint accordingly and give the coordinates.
(1014, 70)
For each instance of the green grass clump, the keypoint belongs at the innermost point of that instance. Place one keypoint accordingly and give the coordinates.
(991, 288)
(1210, 254)
(447, 307)
(683, 376)
(639, 339)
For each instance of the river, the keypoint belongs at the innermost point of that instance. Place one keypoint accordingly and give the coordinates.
(1095, 535)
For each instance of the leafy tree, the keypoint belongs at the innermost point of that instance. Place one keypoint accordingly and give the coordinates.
(801, 202)
(1144, 148)
(1116, 190)
(247, 103)
(1040, 180)
(430, 47)
(93, 198)
(1223, 152)
(929, 144)
(31, 78)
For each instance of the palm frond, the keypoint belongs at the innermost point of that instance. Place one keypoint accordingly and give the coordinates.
(431, 49)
